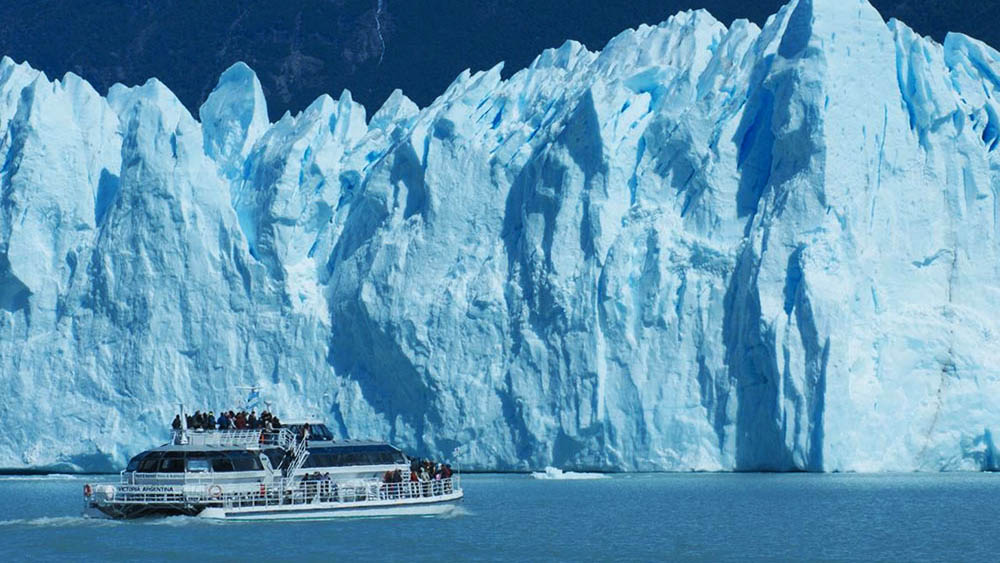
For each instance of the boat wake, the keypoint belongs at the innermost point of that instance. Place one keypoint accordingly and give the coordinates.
(57, 522)
(554, 473)
(178, 521)
(456, 512)
(88, 522)
(49, 477)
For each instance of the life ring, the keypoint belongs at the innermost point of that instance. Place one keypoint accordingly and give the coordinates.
(87, 491)
(215, 491)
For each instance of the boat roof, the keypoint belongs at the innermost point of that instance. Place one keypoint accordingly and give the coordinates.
(349, 443)
(200, 448)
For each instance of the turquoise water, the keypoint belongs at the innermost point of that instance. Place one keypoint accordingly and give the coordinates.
(646, 517)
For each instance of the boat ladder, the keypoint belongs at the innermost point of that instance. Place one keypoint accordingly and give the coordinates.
(299, 455)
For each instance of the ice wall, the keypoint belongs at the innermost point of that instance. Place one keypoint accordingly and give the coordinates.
(702, 248)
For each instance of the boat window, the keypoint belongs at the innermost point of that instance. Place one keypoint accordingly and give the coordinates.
(150, 462)
(245, 461)
(375, 454)
(320, 432)
(316, 431)
(276, 456)
(221, 463)
(321, 460)
(133, 464)
(173, 462)
(197, 465)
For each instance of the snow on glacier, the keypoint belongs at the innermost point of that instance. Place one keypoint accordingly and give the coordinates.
(701, 248)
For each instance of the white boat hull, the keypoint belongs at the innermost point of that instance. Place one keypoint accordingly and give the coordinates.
(431, 506)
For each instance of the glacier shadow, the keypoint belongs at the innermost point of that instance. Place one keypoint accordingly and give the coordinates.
(541, 189)
(107, 190)
(14, 295)
(388, 380)
(753, 371)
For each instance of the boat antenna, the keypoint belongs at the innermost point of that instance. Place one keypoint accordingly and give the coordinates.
(182, 439)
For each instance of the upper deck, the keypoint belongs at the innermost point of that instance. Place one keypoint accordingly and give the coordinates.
(236, 454)
(236, 439)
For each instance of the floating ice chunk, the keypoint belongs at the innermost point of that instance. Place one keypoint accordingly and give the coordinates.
(557, 474)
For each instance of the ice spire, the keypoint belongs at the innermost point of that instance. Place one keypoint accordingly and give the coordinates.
(233, 117)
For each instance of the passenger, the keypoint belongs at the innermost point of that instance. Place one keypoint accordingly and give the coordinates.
(318, 478)
(210, 420)
(275, 422)
(436, 484)
(324, 486)
(386, 490)
(176, 424)
(397, 483)
(413, 485)
(425, 480)
(241, 420)
(252, 420)
(223, 421)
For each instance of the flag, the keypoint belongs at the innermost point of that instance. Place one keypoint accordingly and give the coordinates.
(253, 399)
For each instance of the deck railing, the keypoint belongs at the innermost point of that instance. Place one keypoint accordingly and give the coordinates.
(250, 439)
(279, 492)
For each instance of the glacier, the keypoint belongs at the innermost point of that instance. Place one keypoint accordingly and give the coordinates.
(702, 248)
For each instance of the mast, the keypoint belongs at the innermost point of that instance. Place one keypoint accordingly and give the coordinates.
(182, 439)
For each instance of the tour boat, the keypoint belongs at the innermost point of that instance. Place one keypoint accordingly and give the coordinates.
(269, 475)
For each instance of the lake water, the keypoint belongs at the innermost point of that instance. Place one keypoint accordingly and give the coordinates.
(643, 517)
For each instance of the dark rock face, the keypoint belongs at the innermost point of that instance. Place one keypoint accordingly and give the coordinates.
(301, 50)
